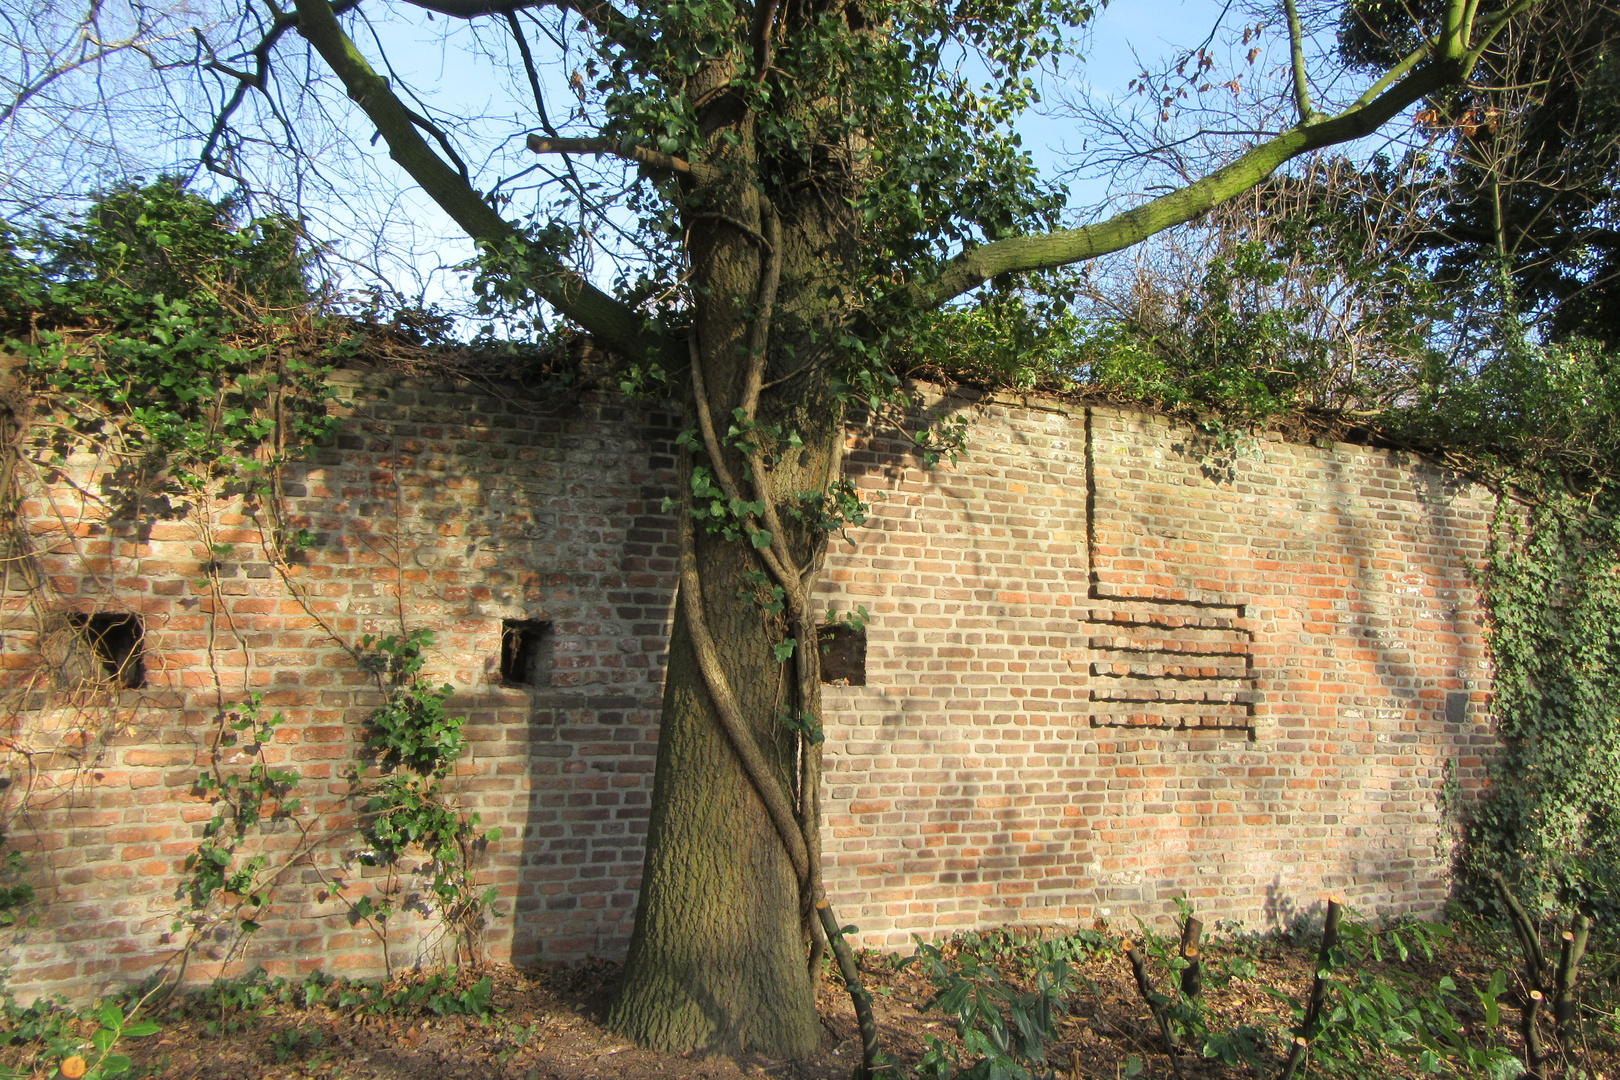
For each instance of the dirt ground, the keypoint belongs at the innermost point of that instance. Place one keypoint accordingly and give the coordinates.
(546, 1024)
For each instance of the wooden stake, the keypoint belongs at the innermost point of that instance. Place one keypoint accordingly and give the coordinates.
(1319, 988)
(1565, 1007)
(1192, 976)
(858, 995)
(1534, 1054)
(1535, 960)
(1155, 1004)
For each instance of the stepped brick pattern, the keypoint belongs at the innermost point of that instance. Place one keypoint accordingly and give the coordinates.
(1106, 666)
(1158, 668)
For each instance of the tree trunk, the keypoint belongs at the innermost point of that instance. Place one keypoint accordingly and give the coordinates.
(717, 961)
(717, 957)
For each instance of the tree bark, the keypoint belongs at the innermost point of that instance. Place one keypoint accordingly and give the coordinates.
(716, 962)
(723, 920)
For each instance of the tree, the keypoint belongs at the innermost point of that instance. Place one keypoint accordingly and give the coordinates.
(814, 180)
(1528, 162)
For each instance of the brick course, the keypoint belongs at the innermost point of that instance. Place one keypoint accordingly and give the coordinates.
(1106, 666)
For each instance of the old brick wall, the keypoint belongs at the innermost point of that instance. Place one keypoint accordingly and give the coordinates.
(1106, 666)
(1110, 664)
(447, 506)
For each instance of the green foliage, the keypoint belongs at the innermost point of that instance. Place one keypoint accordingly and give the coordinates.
(295, 1042)
(411, 738)
(228, 1005)
(440, 993)
(17, 896)
(1285, 299)
(411, 728)
(158, 315)
(1018, 338)
(45, 1021)
(57, 1035)
(929, 94)
(243, 801)
(1374, 1008)
(1552, 819)
(405, 810)
(1004, 1029)
(1541, 418)
(115, 1025)
(1525, 161)
(1247, 341)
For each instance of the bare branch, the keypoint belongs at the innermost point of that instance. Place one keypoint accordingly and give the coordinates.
(1416, 77)
(764, 20)
(601, 15)
(101, 52)
(608, 148)
(1296, 51)
(615, 323)
(529, 70)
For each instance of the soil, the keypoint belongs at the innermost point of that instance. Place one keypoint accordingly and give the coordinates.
(547, 1024)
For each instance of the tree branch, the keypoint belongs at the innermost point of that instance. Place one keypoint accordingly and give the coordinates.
(764, 20)
(85, 59)
(1296, 49)
(1410, 81)
(608, 148)
(616, 324)
(529, 70)
(598, 13)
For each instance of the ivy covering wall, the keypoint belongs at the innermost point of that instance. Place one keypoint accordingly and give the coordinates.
(1553, 594)
(169, 360)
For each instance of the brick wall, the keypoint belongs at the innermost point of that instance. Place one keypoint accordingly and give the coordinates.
(1110, 664)
(444, 506)
(1106, 666)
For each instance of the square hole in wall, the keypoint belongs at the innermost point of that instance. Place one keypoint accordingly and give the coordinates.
(843, 655)
(526, 652)
(115, 639)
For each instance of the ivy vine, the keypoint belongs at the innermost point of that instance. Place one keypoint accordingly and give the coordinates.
(1552, 592)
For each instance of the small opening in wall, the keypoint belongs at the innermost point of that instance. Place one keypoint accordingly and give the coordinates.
(843, 655)
(115, 638)
(526, 652)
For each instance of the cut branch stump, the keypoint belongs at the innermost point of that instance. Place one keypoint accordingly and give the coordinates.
(1155, 1003)
(1192, 976)
(1319, 988)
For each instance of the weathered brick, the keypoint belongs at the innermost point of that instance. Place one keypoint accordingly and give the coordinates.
(1099, 675)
